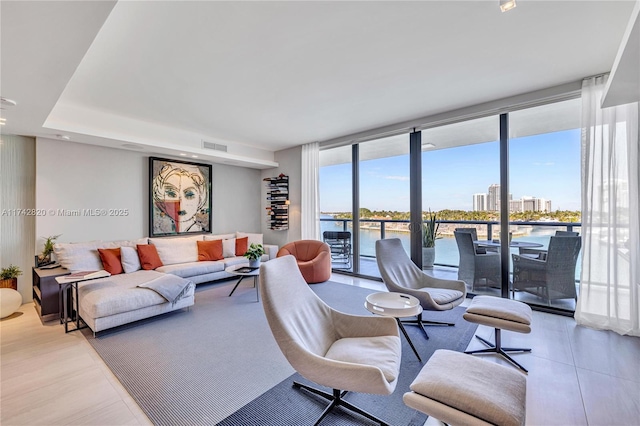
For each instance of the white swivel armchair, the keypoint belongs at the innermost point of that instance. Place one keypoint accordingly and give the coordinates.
(343, 352)
(401, 275)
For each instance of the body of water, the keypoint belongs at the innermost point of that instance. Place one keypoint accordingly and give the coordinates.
(446, 247)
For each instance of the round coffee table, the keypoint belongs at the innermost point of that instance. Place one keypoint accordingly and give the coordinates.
(243, 270)
(395, 305)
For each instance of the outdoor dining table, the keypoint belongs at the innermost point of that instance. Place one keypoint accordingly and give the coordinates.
(514, 244)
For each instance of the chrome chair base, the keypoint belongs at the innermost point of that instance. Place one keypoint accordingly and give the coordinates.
(336, 400)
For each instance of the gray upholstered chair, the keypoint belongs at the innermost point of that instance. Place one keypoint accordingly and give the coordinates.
(541, 253)
(553, 277)
(343, 352)
(401, 275)
(476, 268)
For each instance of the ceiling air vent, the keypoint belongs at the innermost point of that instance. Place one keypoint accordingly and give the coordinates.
(216, 146)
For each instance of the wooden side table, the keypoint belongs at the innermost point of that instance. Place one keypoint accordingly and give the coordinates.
(46, 292)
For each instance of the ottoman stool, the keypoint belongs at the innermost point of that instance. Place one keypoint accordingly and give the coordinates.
(463, 390)
(503, 314)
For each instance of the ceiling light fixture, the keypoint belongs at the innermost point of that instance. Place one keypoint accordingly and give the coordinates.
(194, 156)
(3, 121)
(506, 5)
(428, 145)
(63, 137)
(183, 154)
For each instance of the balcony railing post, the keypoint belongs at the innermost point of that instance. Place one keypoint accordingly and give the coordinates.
(382, 230)
(489, 231)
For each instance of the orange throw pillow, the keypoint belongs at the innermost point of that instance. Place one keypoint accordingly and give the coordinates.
(209, 250)
(241, 246)
(148, 255)
(111, 260)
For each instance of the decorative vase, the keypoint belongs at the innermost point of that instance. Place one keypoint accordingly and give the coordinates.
(10, 301)
(428, 257)
(254, 263)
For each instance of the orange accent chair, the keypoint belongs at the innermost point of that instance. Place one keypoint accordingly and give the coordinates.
(313, 258)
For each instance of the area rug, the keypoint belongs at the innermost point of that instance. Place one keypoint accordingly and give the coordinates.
(218, 362)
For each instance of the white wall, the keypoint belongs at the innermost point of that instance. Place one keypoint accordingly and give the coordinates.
(290, 163)
(72, 176)
(17, 191)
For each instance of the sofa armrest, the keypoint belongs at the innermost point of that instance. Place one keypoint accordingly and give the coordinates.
(271, 250)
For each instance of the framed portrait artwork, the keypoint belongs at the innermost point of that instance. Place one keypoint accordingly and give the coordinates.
(179, 197)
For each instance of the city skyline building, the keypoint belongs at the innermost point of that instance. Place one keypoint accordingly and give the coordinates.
(491, 202)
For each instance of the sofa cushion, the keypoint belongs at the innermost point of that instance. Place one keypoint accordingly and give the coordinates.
(253, 238)
(209, 250)
(148, 255)
(191, 269)
(212, 237)
(129, 259)
(236, 260)
(177, 250)
(110, 258)
(84, 256)
(78, 256)
(117, 294)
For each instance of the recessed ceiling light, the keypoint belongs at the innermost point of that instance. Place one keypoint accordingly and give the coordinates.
(507, 5)
(183, 154)
(3, 121)
(428, 145)
(5, 102)
(194, 156)
(63, 137)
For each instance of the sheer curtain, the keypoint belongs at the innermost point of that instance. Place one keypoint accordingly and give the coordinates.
(610, 279)
(309, 206)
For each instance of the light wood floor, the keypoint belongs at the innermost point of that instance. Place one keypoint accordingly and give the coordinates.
(577, 376)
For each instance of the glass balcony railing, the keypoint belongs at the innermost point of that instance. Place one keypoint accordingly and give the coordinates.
(447, 255)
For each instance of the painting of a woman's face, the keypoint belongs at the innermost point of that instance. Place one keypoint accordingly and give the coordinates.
(180, 193)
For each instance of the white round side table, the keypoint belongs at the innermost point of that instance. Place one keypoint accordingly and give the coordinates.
(395, 305)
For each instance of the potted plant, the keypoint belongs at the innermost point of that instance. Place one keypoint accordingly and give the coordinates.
(9, 277)
(254, 253)
(45, 257)
(430, 233)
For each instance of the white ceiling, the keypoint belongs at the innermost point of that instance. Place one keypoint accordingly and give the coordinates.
(263, 76)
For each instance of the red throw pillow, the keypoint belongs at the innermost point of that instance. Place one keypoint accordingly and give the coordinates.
(210, 250)
(148, 255)
(241, 246)
(111, 260)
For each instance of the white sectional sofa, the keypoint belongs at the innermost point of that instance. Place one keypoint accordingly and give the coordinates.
(119, 299)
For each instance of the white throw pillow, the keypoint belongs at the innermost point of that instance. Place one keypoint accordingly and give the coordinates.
(177, 250)
(253, 238)
(129, 259)
(229, 247)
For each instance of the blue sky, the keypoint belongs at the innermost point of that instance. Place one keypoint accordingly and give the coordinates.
(544, 166)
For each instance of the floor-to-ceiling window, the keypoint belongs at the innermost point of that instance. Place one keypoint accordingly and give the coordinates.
(469, 182)
(336, 199)
(384, 196)
(460, 169)
(544, 178)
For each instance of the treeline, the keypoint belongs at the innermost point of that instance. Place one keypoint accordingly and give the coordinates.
(463, 215)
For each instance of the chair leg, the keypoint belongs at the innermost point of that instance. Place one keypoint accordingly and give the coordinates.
(337, 401)
(498, 349)
(421, 323)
